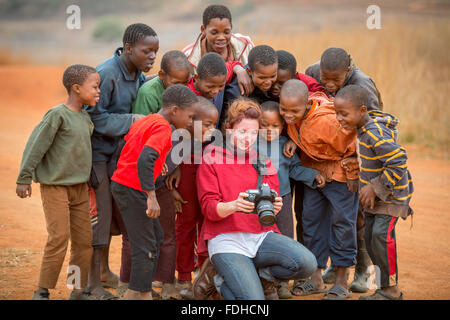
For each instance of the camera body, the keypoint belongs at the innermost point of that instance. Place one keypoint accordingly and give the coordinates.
(263, 197)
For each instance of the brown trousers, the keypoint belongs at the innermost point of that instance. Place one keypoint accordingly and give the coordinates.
(66, 210)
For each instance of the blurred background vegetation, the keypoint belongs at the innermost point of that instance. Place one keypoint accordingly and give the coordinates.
(408, 57)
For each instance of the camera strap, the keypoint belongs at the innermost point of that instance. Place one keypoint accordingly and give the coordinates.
(260, 167)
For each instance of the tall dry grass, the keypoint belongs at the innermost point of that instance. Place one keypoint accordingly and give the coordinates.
(409, 62)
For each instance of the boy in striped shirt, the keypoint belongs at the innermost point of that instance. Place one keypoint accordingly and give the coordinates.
(385, 182)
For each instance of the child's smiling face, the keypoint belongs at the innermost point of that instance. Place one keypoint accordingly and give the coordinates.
(218, 34)
(349, 116)
(89, 90)
(263, 77)
(292, 108)
(282, 77)
(271, 124)
(210, 86)
(333, 80)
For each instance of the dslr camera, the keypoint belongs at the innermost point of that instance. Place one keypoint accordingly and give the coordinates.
(263, 197)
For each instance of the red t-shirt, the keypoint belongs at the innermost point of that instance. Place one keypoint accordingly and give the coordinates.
(152, 131)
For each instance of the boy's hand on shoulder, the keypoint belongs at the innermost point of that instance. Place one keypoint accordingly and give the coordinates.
(23, 190)
(320, 181)
(353, 185)
(245, 83)
(289, 149)
(367, 196)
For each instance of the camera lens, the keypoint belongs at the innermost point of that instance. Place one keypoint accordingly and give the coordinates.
(265, 213)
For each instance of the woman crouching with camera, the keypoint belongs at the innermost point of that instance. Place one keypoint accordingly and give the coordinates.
(247, 253)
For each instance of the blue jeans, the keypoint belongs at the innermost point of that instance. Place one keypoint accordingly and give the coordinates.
(278, 258)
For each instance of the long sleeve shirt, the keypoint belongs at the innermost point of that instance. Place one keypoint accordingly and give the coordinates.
(220, 178)
(357, 77)
(383, 164)
(112, 115)
(58, 151)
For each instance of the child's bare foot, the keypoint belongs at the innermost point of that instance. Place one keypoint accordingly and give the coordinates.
(109, 279)
(136, 295)
(317, 279)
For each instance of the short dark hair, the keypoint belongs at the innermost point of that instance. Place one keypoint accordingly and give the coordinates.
(263, 54)
(335, 59)
(215, 11)
(211, 65)
(76, 74)
(270, 106)
(174, 60)
(286, 61)
(178, 95)
(136, 32)
(355, 94)
(295, 88)
(204, 104)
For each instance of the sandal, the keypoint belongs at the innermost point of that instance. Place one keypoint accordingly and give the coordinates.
(104, 295)
(306, 288)
(337, 293)
(112, 283)
(380, 294)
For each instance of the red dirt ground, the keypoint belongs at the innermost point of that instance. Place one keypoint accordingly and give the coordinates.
(27, 92)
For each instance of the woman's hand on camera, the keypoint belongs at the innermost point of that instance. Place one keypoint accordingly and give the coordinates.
(243, 205)
(277, 205)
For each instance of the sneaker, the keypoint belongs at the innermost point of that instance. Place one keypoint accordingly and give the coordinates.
(41, 294)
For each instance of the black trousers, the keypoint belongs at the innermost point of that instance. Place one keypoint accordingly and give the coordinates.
(145, 235)
(382, 247)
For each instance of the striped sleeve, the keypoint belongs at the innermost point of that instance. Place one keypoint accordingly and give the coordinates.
(389, 158)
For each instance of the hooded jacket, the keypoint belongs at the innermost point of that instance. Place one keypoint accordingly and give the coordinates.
(324, 143)
(357, 77)
(383, 164)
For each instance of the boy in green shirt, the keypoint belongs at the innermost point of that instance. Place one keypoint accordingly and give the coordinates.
(58, 155)
(174, 70)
